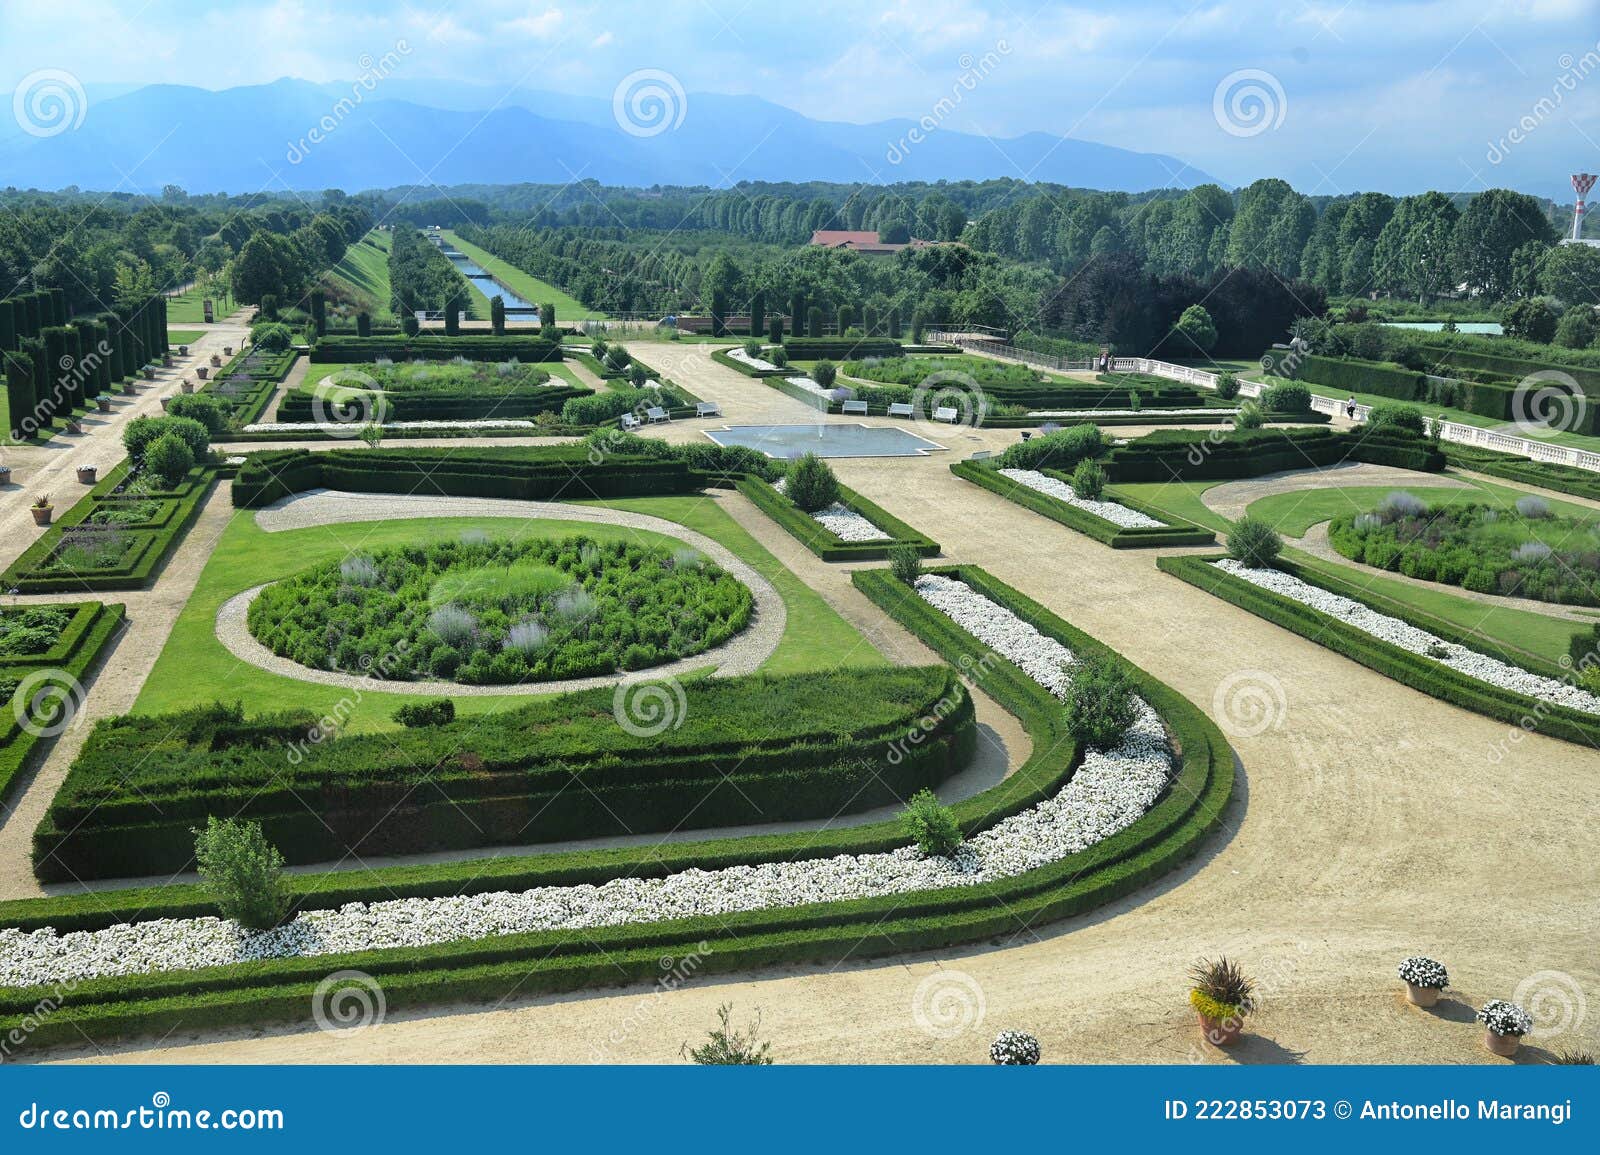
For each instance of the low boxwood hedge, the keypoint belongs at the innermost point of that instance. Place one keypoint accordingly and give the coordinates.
(1174, 533)
(823, 542)
(1176, 455)
(1414, 670)
(720, 356)
(149, 543)
(433, 347)
(1172, 831)
(1566, 479)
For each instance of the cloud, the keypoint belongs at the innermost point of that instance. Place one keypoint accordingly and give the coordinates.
(540, 26)
(602, 40)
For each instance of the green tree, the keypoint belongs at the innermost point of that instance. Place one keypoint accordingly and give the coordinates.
(1496, 223)
(242, 871)
(1412, 255)
(1196, 328)
(1571, 273)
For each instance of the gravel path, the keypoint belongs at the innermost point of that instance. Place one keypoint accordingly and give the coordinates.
(1231, 498)
(743, 654)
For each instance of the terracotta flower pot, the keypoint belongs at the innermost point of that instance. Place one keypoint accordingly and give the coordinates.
(1421, 996)
(1221, 1032)
(183, 350)
(149, 373)
(227, 351)
(128, 389)
(86, 473)
(74, 427)
(165, 401)
(201, 372)
(216, 362)
(1503, 1045)
(188, 386)
(166, 360)
(103, 404)
(41, 514)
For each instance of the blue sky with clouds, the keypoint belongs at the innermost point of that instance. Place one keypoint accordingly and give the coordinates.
(1390, 94)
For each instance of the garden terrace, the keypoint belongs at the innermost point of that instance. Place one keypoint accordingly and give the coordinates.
(1169, 832)
(247, 384)
(430, 391)
(1383, 381)
(822, 541)
(1177, 455)
(749, 750)
(542, 473)
(434, 347)
(117, 536)
(1432, 656)
(46, 654)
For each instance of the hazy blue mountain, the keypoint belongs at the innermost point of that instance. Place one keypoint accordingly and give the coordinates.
(264, 138)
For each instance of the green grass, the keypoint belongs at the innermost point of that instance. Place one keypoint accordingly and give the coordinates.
(364, 270)
(1181, 499)
(317, 372)
(524, 579)
(184, 336)
(525, 285)
(194, 667)
(1295, 513)
(189, 309)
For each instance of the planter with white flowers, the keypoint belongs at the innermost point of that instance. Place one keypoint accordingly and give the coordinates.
(102, 402)
(1504, 1024)
(87, 473)
(1424, 979)
(1014, 1049)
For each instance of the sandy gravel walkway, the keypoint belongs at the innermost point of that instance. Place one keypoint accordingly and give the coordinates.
(1231, 498)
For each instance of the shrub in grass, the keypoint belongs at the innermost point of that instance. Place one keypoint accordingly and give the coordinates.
(779, 357)
(243, 872)
(1100, 702)
(1249, 417)
(1400, 504)
(1254, 543)
(727, 1047)
(1089, 481)
(931, 825)
(436, 712)
(812, 485)
(905, 563)
(617, 358)
(206, 408)
(169, 458)
(1227, 385)
(824, 373)
(1404, 418)
(1533, 508)
(1287, 397)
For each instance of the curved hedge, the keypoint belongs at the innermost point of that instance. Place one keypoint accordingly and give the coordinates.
(1169, 833)
(1414, 670)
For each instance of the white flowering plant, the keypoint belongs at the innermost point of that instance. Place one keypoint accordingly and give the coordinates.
(1424, 972)
(1503, 1018)
(1014, 1049)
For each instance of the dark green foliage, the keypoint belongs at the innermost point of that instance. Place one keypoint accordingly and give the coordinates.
(1286, 397)
(1401, 418)
(814, 322)
(206, 408)
(453, 306)
(319, 311)
(775, 329)
(548, 326)
(1060, 449)
(931, 825)
(271, 336)
(1254, 542)
(1101, 704)
(436, 712)
(1089, 480)
(1227, 385)
(409, 325)
(140, 433)
(608, 406)
(905, 562)
(1173, 533)
(811, 484)
(1188, 455)
(363, 324)
(32, 630)
(824, 373)
(472, 346)
(269, 306)
(169, 458)
(243, 872)
(758, 314)
(497, 315)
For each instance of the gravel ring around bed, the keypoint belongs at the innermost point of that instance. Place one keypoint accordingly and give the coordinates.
(742, 654)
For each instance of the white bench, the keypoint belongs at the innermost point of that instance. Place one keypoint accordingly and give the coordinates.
(982, 455)
(707, 409)
(655, 413)
(629, 421)
(946, 413)
(902, 409)
(857, 407)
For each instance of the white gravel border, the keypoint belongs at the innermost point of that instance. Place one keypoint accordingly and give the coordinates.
(738, 354)
(1408, 637)
(841, 521)
(1215, 411)
(1114, 512)
(1109, 790)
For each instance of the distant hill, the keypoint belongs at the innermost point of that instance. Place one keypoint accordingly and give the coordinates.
(241, 140)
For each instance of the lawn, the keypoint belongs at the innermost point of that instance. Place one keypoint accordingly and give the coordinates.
(1294, 513)
(525, 285)
(318, 372)
(364, 270)
(184, 336)
(1179, 498)
(189, 309)
(194, 667)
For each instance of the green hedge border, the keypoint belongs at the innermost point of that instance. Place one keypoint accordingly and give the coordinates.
(722, 357)
(1420, 673)
(809, 532)
(1172, 831)
(1176, 533)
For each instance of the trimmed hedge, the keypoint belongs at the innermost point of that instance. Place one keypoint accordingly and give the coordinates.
(746, 750)
(822, 541)
(149, 543)
(531, 473)
(430, 347)
(1178, 456)
(1544, 474)
(1171, 832)
(840, 348)
(720, 356)
(1175, 533)
(301, 405)
(247, 383)
(75, 653)
(1415, 670)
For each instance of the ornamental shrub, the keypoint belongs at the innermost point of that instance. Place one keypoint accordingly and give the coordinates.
(437, 712)
(169, 458)
(243, 872)
(271, 336)
(1221, 989)
(1089, 480)
(141, 432)
(1059, 449)
(1014, 1049)
(1249, 417)
(812, 484)
(617, 358)
(1227, 385)
(752, 348)
(409, 326)
(905, 563)
(206, 408)
(779, 357)
(1287, 397)
(729, 1048)
(1533, 508)
(1100, 702)
(931, 825)
(1254, 543)
(1401, 418)
(824, 373)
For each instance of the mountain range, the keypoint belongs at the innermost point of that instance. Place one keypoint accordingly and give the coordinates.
(300, 136)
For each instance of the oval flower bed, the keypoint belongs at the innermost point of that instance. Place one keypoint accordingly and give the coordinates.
(498, 612)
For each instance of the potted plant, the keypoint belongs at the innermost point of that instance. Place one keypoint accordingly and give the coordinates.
(1504, 1024)
(128, 389)
(102, 402)
(42, 510)
(5, 475)
(1222, 996)
(187, 386)
(86, 473)
(1014, 1049)
(183, 350)
(166, 360)
(1424, 979)
(201, 372)
(74, 425)
(165, 401)
(227, 350)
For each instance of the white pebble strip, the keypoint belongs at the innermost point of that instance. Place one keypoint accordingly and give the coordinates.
(1408, 637)
(811, 386)
(844, 523)
(1110, 511)
(1110, 790)
(738, 354)
(1215, 411)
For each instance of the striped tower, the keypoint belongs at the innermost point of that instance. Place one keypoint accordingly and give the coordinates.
(1582, 182)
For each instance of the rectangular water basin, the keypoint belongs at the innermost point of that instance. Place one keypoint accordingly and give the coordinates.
(832, 440)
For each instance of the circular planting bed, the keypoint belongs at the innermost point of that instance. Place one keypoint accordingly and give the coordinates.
(486, 611)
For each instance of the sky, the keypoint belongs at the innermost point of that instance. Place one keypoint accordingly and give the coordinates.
(1336, 97)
